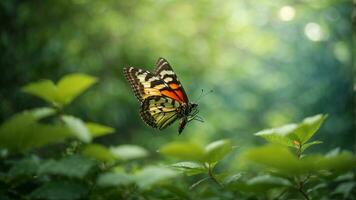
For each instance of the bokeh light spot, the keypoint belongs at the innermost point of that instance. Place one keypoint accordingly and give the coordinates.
(313, 31)
(342, 52)
(287, 13)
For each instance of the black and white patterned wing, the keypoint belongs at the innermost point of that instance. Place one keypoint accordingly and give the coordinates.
(159, 111)
(143, 83)
(165, 72)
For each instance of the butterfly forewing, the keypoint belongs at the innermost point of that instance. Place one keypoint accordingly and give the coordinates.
(143, 83)
(165, 72)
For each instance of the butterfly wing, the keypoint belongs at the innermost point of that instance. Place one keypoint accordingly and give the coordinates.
(159, 111)
(144, 83)
(160, 93)
(175, 89)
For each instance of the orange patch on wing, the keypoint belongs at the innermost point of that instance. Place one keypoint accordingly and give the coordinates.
(180, 94)
(173, 86)
(171, 94)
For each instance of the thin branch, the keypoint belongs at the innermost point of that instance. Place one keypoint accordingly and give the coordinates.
(301, 187)
(304, 194)
(211, 175)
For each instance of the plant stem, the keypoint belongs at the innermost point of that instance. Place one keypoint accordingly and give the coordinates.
(301, 186)
(299, 150)
(304, 194)
(301, 182)
(211, 175)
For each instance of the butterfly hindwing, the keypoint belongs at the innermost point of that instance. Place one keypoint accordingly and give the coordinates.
(165, 72)
(159, 111)
(143, 83)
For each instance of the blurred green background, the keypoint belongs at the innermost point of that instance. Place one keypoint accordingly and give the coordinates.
(268, 62)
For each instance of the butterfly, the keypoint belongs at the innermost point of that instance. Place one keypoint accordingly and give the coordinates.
(162, 97)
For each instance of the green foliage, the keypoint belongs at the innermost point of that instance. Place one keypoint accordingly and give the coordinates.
(81, 167)
(128, 152)
(78, 127)
(27, 166)
(183, 150)
(63, 92)
(295, 135)
(282, 158)
(285, 162)
(122, 152)
(71, 166)
(98, 152)
(23, 131)
(111, 179)
(60, 190)
(211, 154)
(97, 130)
(151, 175)
(216, 151)
(205, 159)
(190, 168)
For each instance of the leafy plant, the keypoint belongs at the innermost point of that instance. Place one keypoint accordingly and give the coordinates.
(83, 168)
(203, 160)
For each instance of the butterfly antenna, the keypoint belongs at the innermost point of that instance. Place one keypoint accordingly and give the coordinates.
(202, 94)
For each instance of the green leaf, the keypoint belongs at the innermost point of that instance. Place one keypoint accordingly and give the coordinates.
(194, 185)
(345, 177)
(338, 163)
(266, 182)
(281, 135)
(98, 152)
(40, 113)
(78, 127)
(280, 159)
(309, 144)
(308, 127)
(44, 89)
(292, 134)
(183, 150)
(60, 190)
(73, 166)
(345, 189)
(257, 184)
(25, 167)
(272, 156)
(190, 168)
(69, 87)
(152, 175)
(110, 179)
(217, 150)
(129, 152)
(72, 85)
(232, 178)
(179, 192)
(23, 131)
(269, 181)
(97, 130)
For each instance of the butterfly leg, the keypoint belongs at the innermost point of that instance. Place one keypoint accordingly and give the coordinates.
(198, 118)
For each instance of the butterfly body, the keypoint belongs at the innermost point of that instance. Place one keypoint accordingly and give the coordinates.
(163, 99)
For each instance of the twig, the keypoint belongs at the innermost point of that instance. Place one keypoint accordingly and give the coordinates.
(301, 186)
(211, 175)
(304, 194)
